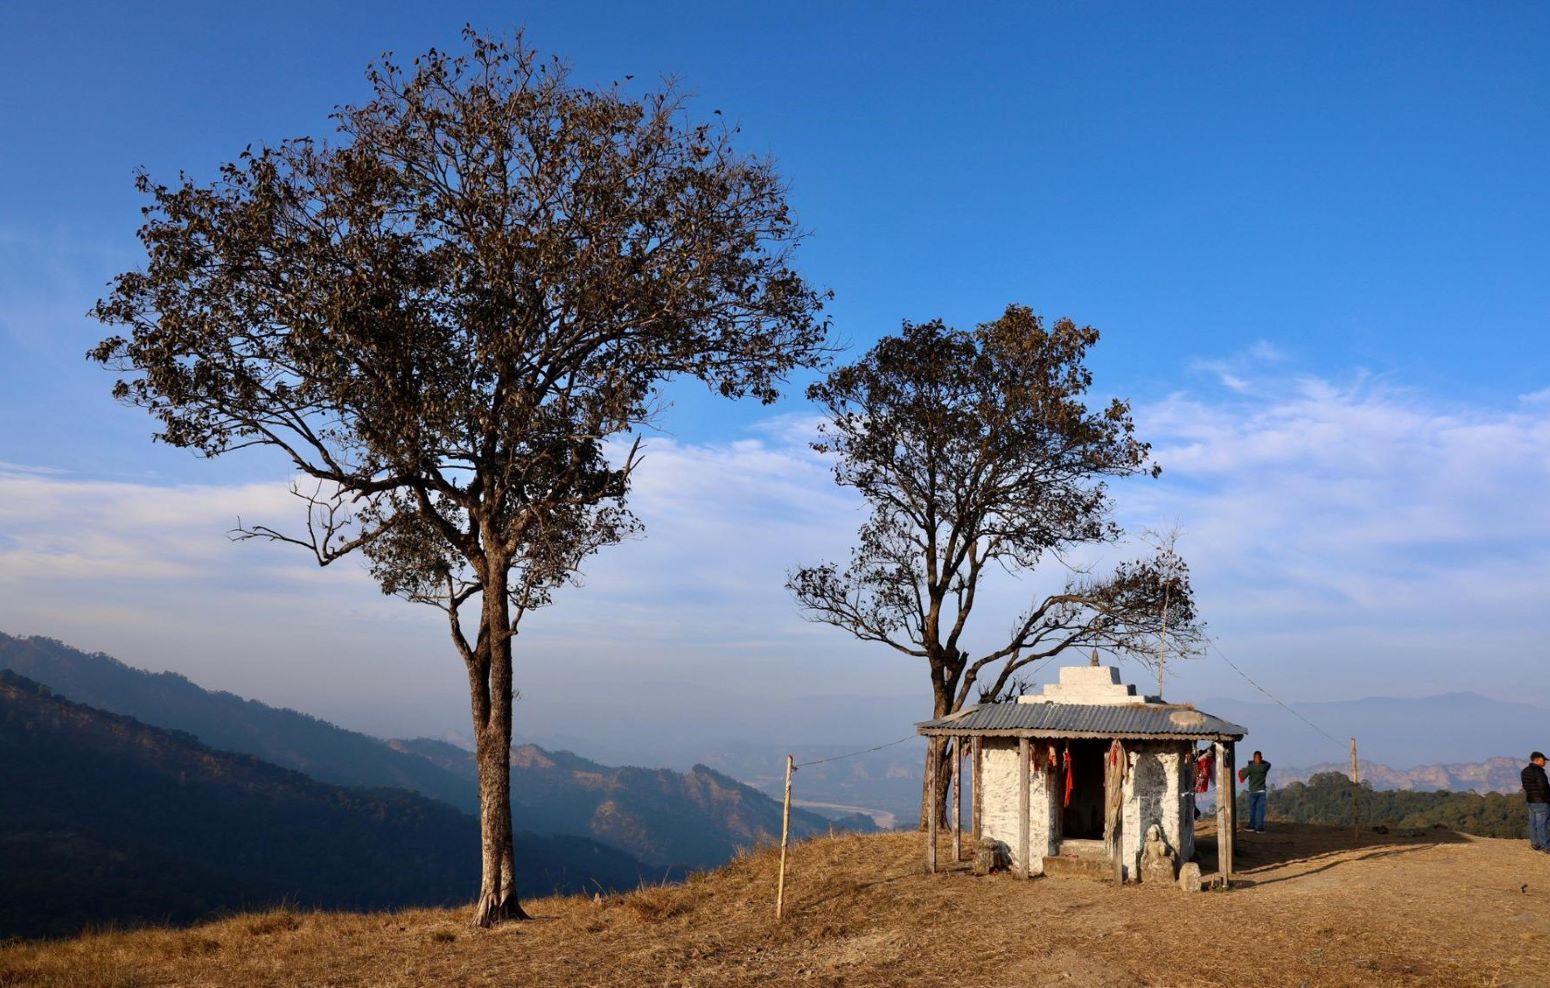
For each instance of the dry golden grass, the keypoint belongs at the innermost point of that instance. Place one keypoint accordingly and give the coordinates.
(1316, 908)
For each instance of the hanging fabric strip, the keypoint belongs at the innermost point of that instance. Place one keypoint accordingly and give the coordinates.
(1114, 787)
(1070, 778)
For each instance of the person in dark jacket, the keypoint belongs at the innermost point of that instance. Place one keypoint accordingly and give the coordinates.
(1536, 789)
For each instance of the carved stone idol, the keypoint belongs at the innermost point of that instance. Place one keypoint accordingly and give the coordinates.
(1158, 862)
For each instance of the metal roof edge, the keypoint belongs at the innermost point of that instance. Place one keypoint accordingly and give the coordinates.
(930, 732)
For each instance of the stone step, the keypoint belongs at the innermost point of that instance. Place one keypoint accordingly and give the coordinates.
(1074, 847)
(1072, 867)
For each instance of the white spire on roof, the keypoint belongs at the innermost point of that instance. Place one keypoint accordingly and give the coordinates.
(1087, 684)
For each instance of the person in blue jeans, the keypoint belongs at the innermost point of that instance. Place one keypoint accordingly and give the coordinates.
(1536, 789)
(1254, 774)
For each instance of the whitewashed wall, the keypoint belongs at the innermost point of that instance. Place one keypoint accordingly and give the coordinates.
(1157, 790)
(1001, 805)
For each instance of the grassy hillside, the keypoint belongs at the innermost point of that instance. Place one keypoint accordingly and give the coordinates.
(106, 819)
(1313, 909)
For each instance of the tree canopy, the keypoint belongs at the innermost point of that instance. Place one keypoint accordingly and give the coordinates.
(1326, 799)
(976, 451)
(442, 318)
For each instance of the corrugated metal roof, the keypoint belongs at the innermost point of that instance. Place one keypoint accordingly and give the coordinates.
(1131, 720)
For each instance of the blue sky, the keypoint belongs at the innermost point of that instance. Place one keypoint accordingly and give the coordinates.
(1315, 241)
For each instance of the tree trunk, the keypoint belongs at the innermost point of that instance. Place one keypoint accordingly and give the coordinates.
(498, 885)
(928, 799)
(944, 781)
(491, 687)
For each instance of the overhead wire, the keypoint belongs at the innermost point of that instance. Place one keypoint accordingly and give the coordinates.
(1277, 700)
(852, 754)
(890, 744)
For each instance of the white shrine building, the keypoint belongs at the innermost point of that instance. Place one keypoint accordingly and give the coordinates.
(1076, 774)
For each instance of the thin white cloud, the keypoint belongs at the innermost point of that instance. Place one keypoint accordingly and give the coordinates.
(1223, 372)
(1361, 535)
(1267, 352)
(1346, 537)
(7, 467)
(1238, 372)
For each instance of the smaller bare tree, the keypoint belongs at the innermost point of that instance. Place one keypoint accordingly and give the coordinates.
(975, 451)
(1173, 574)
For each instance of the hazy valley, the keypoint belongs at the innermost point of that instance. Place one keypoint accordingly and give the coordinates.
(183, 803)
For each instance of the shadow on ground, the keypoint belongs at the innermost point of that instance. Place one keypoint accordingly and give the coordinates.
(1258, 859)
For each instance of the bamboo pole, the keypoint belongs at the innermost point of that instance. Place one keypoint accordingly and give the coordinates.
(957, 800)
(1024, 766)
(1356, 790)
(933, 808)
(785, 838)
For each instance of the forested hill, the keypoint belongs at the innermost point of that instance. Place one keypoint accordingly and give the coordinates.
(1326, 799)
(694, 819)
(106, 819)
(229, 722)
(671, 820)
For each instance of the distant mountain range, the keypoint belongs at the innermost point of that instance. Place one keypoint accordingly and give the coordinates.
(884, 784)
(107, 819)
(1453, 741)
(1446, 729)
(1491, 775)
(694, 819)
(229, 722)
(678, 724)
(670, 821)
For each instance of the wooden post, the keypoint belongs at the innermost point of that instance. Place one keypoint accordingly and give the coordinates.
(1052, 791)
(1114, 809)
(976, 801)
(1356, 789)
(1226, 809)
(932, 807)
(785, 838)
(957, 799)
(1024, 766)
(1232, 807)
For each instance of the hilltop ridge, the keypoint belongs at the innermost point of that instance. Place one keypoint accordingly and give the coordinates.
(1314, 907)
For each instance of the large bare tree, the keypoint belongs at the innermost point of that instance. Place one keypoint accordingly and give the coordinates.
(442, 317)
(975, 452)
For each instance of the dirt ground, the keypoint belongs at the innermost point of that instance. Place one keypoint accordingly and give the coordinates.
(1314, 907)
